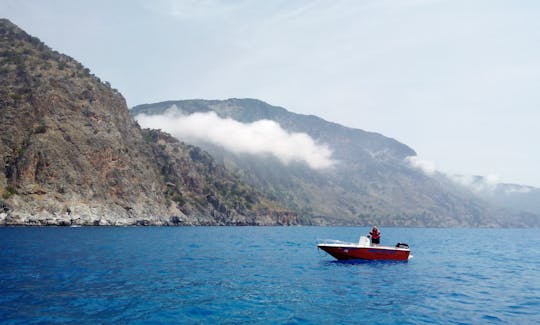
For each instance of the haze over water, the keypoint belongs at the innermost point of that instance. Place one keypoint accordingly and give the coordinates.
(265, 274)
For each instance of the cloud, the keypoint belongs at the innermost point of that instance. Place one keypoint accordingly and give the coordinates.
(489, 184)
(477, 184)
(518, 189)
(427, 166)
(260, 137)
(483, 185)
(492, 179)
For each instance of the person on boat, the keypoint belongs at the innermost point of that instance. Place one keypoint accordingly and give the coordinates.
(375, 235)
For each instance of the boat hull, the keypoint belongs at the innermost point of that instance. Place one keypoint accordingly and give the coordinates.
(366, 253)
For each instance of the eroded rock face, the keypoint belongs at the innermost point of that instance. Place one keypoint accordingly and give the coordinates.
(68, 141)
(206, 191)
(71, 154)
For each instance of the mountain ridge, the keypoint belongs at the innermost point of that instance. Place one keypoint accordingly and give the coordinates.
(505, 195)
(263, 110)
(375, 185)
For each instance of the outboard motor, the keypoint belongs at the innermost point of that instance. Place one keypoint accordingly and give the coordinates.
(402, 245)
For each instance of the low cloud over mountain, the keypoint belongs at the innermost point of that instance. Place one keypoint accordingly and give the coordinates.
(427, 166)
(259, 137)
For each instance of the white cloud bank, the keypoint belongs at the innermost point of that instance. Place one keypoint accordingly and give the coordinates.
(476, 183)
(428, 167)
(489, 184)
(260, 137)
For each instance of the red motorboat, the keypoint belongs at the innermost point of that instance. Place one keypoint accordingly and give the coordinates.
(366, 251)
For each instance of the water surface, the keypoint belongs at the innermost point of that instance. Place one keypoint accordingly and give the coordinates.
(265, 274)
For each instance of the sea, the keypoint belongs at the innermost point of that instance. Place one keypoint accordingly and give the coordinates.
(266, 275)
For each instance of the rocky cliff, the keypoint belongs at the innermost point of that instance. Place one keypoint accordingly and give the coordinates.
(72, 154)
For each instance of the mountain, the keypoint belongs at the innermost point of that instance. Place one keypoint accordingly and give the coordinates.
(511, 196)
(72, 154)
(372, 183)
(514, 196)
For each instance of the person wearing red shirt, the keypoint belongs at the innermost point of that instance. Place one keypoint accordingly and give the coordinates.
(375, 235)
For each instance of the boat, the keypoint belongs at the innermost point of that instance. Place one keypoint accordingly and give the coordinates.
(365, 250)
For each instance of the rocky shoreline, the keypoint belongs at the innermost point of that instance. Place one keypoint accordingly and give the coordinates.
(24, 220)
(111, 215)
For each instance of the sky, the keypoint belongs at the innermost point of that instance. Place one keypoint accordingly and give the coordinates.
(457, 81)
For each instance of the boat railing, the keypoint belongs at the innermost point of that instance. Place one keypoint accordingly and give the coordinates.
(332, 242)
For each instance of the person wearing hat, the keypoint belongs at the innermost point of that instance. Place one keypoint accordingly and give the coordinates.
(375, 235)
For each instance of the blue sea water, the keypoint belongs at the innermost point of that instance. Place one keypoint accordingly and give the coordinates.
(265, 275)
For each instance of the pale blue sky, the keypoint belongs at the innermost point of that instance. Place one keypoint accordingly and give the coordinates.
(458, 81)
